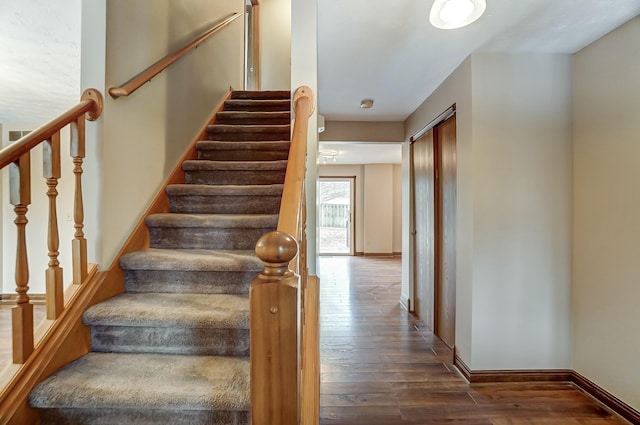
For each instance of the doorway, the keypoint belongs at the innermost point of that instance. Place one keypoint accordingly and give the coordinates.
(336, 213)
(433, 162)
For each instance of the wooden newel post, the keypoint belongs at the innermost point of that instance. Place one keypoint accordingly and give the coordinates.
(274, 333)
(22, 313)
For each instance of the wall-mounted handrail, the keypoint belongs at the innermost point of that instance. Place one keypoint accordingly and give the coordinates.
(145, 76)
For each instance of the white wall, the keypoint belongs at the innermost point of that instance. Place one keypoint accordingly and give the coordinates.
(522, 186)
(606, 204)
(140, 138)
(276, 49)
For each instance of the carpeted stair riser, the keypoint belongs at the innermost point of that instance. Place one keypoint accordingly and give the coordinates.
(261, 95)
(246, 151)
(234, 172)
(203, 199)
(141, 416)
(248, 105)
(253, 118)
(190, 231)
(205, 238)
(188, 282)
(238, 133)
(187, 341)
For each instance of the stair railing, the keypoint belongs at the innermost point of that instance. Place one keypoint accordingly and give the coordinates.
(145, 76)
(17, 157)
(284, 370)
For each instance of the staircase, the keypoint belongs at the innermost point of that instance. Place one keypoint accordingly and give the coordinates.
(173, 349)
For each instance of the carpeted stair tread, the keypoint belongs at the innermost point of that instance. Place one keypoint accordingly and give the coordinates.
(209, 165)
(217, 311)
(224, 190)
(241, 221)
(173, 348)
(253, 117)
(147, 381)
(262, 94)
(245, 151)
(191, 260)
(263, 105)
(210, 172)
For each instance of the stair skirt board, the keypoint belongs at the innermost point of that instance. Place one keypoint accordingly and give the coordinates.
(174, 347)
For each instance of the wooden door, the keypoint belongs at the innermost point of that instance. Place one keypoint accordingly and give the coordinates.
(445, 231)
(423, 198)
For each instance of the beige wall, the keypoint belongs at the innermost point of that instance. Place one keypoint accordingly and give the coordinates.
(378, 217)
(522, 186)
(397, 208)
(362, 131)
(304, 72)
(139, 139)
(455, 89)
(513, 208)
(606, 204)
(275, 33)
(377, 220)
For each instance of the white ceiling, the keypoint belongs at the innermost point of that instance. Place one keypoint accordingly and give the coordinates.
(388, 51)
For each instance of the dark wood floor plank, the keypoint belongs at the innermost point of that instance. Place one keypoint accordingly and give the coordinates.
(381, 366)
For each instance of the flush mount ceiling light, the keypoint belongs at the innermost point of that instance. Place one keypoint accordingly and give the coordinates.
(366, 103)
(450, 14)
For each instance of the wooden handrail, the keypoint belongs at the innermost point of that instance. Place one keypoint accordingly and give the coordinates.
(145, 76)
(283, 314)
(90, 104)
(17, 157)
(289, 219)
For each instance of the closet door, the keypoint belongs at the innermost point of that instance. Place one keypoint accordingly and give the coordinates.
(423, 201)
(445, 231)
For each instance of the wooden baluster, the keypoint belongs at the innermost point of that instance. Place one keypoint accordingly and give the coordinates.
(51, 172)
(22, 313)
(274, 333)
(79, 243)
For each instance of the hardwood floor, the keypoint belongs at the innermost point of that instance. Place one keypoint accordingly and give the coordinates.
(39, 311)
(379, 366)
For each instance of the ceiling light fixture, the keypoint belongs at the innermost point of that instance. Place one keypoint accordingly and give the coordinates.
(366, 103)
(451, 14)
(327, 155)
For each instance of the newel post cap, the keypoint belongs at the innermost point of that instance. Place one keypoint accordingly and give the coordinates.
(276, 250)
